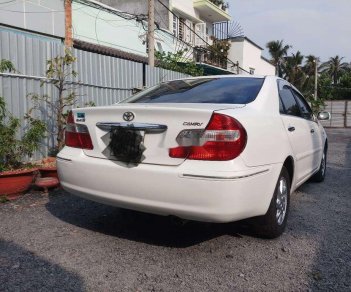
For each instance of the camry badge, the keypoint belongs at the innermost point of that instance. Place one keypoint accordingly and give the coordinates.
(192, 124)
(128, 116)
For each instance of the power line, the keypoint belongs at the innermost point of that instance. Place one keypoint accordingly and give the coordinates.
(178, 41)
(96, 34)
(108, 21)
(161, 17)
(6, 2)
(99, 6)
(30, 12)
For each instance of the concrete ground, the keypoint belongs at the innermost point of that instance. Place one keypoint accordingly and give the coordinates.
(64, 243)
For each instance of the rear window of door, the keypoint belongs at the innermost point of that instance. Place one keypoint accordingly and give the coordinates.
(290, 105)
(305, 109)
(227, 90)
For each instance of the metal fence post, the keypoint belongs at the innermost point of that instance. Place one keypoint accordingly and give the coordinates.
(345, 114)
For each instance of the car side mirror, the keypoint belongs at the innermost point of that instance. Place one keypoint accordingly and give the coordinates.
(324, 116)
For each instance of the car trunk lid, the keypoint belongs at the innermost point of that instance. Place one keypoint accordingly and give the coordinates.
(158, 125)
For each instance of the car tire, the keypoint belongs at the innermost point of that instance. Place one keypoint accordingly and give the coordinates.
(320, 175)
(273, 223)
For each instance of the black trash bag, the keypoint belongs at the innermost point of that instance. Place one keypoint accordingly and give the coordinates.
(126, 144)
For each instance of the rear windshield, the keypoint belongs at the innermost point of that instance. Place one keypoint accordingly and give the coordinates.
(237, 90)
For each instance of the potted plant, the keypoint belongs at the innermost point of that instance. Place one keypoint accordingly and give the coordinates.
(16, 176)
(47, 167)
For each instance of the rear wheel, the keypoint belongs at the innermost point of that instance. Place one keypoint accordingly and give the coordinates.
(273, 223)
(320, 175)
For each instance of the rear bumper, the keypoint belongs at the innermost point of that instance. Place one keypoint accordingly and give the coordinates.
(214, 196)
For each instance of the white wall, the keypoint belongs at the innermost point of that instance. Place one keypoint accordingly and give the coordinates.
(43, 16)
(265, 68)
(249, 56)
(235, 54)
(107, 29)
(185, 6)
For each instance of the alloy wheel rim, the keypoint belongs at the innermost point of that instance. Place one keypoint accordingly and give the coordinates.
(282, 200)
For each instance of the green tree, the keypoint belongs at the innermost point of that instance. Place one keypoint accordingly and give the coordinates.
(217, 53)
(12, 149)
(59, 73)
(343, 89)
(335, 68)
(345, 80)
(293, 69)
(310, 64)
(175, 62)
(325, 87)
(278, 51)
(309, 70)
(6, 65)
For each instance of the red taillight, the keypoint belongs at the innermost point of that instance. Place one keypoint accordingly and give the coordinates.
(77, 135)
(223, 139)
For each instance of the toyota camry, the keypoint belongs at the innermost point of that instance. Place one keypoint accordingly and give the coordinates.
(215, 149)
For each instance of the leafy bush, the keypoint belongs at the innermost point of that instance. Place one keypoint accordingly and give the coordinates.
(6, 65)
(13, 150)
(60, 74)
(173, 61)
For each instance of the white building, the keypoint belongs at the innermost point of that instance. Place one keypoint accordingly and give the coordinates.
(181, 25)
(199, 16)
(180, 17)
(186, 25)
(249, 57)
(45, 17)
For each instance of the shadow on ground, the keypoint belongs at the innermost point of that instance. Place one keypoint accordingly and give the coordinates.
(137, 226)
(23, 270)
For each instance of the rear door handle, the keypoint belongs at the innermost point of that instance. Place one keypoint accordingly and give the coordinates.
(291, 129)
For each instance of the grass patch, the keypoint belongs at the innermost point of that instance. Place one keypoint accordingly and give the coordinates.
(3, 199)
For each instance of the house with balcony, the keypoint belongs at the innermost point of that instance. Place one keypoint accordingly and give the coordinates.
(186, 25)
(180, 17)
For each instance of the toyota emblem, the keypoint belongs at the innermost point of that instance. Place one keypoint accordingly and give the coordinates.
(128, 116)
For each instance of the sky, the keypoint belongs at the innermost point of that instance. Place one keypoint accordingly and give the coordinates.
(318, 27)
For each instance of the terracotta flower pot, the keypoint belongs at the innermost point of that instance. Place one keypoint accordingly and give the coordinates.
(16, 181)
(48, 171)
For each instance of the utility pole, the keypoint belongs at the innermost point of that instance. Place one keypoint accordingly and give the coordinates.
(151, 33)
(68, 24)
(316, 79)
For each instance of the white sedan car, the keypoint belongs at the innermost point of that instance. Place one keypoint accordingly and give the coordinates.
(215, 149)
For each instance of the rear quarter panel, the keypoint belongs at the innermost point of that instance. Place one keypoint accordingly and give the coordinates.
(267, 141)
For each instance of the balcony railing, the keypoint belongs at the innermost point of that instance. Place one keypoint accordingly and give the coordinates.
(204, 56)
(216, 54)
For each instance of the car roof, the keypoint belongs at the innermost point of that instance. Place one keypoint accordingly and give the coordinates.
(224, 76)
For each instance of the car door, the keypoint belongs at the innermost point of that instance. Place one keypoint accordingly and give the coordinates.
(316, 134)
(298, 131)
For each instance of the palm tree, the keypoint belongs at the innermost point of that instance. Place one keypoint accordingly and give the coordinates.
(278, 51)
(292, 69)
(335, 68)
(310, 65)
(309, 69)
